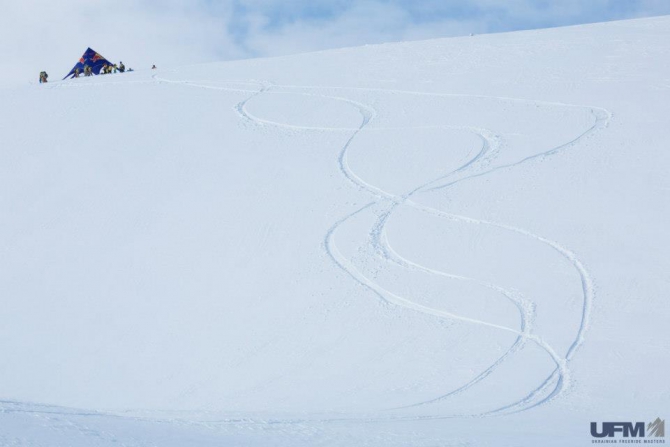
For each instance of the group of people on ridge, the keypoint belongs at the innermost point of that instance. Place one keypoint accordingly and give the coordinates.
(106, 69)
(88, 71)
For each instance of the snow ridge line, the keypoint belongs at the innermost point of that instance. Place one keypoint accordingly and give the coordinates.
(602, 119)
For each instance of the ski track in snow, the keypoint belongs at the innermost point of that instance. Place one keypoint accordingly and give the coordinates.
(559, 378)
(557, 381)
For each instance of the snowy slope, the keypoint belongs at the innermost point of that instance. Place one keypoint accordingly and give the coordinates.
(449, 242)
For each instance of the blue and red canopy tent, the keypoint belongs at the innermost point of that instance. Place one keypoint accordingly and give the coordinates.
(91, 58)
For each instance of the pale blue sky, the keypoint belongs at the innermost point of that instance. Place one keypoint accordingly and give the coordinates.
(51, 35)
(266, 27)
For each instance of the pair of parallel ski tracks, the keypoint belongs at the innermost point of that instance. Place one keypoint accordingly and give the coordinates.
(389, 202)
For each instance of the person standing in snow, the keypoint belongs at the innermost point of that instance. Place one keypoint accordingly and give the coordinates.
(122, 67)
(43, 77)
(76, 72)
(87, 70)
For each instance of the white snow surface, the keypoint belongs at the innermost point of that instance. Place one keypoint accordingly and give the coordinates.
(449, 242)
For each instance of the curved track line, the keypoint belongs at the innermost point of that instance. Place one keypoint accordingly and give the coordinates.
(602, 118)
(395, 299)
(379, 240)
(391, 298)
(525, 310)
(587, 288)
